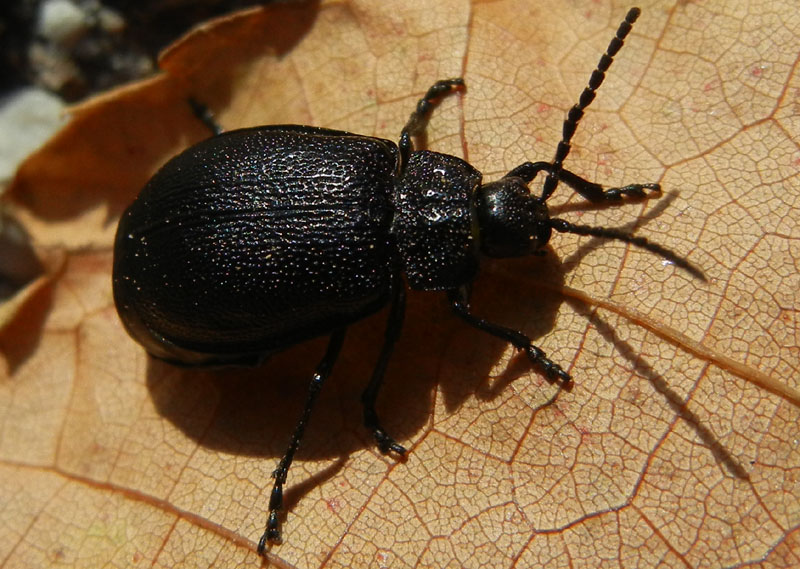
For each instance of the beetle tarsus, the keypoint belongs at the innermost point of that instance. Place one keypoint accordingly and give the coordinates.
(271, 535)
(592, 191)
(204, 114)
(262, 544)
(551, 370)
(636, 191)
(324, 368)
(387, 444)
(394, 325)
(419, 118)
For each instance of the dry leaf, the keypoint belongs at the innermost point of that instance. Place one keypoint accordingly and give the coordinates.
(659, 455)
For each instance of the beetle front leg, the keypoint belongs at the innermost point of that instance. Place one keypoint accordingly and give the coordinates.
(272, 533)
(394, 325)
(590, 190)
(419, 118)
(459, 303)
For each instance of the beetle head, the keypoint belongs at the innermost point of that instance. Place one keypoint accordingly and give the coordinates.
(512, 222)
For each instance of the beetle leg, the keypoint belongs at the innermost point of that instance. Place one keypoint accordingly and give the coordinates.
(205, 115)
(419, 118)
(590, 190)
(272, 533)
(394, 325)
(460, 305)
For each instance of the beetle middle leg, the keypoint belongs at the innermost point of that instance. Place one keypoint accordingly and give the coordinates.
(272, 533)
(394, 326)
(460, 305)
(419, 118)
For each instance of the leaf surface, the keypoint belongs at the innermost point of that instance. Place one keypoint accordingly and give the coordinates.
(661, 455)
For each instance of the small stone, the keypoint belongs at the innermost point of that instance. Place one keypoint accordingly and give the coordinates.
(62, 22)
(28, 118)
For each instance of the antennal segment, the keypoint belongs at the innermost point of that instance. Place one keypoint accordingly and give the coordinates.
(587, 96)
(566, 227)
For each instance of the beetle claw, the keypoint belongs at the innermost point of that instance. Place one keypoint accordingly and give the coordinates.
(387, 444)
(272, 534)
(551, 370)
(636, 191)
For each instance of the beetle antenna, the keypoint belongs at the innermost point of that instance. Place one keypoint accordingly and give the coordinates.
(576, 112)
(563, 226)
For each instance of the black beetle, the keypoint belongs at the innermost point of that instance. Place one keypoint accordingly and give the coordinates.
(261, 238)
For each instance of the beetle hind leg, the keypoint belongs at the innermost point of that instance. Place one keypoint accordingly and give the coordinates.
(272, 533)
(394, 325)
(551, 370)
(205, 116)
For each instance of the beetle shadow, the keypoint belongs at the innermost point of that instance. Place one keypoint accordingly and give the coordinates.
(637, 361)
(253, 411)
(248, 411)
(677, 403)
(502, 296)
(274, 28)
(22, 334)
